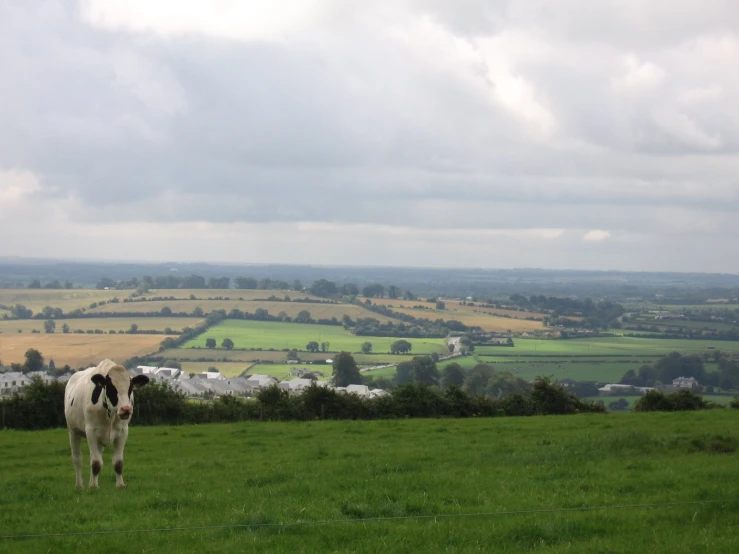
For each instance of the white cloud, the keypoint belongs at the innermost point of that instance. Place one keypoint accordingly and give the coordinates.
(596, 235)
(638, 76)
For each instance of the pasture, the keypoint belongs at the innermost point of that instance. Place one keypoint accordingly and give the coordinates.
(77, 350)
(277, 335)
(105, 324)
(657, 482)
(66, 299)
(620, 345)
(229, 369)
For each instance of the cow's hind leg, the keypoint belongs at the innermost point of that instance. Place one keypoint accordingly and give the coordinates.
(96, 459)
(119, 445)
(75, 443)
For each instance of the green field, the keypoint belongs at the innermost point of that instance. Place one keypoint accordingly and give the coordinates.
(269, 334)
(720, 399)
(623, 346)
(576, 484)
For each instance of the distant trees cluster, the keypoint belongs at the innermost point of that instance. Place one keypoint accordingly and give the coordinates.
(675, 365)
(595, 315)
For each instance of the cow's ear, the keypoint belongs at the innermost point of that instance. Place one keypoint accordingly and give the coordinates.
(139, 381)
(98, 379)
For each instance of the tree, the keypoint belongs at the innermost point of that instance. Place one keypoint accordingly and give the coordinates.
(371, 291)
(227, 343)
(425, 371)
(323, 288)
(166, 311)
(296, 285)
(65, 328)
(393, 291)
(245, 283)
(49, 325)
(366, 347)
(261, 314)
(349, 289)
(346, 371)
(198, 311)
(303, 317)
(401, 346)
(452, 374)
(292, 354)
(172, 363)
(34, 360)
(440, 305)
(133, 329)
(210, 343)
(312, 346)
(35, 284)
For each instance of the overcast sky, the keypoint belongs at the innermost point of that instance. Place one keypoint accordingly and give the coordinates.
(554, 134)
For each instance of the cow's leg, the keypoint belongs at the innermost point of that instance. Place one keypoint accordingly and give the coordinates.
(119, 444)
(96, 459)
(75, 443)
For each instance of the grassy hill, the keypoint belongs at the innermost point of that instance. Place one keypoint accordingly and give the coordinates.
(541, 484)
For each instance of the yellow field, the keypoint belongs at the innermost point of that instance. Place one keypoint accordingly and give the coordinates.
(77, 350)
(274, 308)
(490, 323)
(229, 369)
(246, 294)
(67, 300)
(455, 305)
(103, 323)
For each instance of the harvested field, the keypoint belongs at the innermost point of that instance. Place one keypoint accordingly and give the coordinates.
(317, 311)
(103, 323)
(233, 294)
(490, 323)
(66, 299)
(77, 350)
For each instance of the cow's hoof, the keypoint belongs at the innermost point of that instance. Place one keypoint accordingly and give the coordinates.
(121, 486)
(79, 487)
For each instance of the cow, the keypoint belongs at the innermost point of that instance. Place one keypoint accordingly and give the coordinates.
(98, 404)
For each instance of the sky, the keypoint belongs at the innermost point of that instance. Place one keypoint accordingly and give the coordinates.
(562, 134)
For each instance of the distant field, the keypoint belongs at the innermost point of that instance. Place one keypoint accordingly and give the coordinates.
(322, 311)
(229, 369)
(721, 400)
(602, 373)
(609, 345)
(233, 294)
(268, 334)
(103, 323)
(489, 323)
(67, 300)
(77, 350)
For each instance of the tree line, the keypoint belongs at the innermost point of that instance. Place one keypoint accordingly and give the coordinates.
(41, 406)
(675, 365)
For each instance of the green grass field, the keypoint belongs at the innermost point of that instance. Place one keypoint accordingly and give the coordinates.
(625, 346)
(268, 334)
(542, 484)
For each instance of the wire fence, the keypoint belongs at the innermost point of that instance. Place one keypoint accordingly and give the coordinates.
(365, 520)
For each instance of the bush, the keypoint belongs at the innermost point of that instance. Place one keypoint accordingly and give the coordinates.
(656, 401)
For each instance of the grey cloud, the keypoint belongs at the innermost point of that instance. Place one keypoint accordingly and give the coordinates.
(392, 115)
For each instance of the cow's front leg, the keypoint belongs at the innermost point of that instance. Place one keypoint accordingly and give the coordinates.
(119, 445)
(75, 442)
(96, 459)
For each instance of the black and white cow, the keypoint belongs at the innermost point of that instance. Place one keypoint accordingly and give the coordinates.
(98, 404)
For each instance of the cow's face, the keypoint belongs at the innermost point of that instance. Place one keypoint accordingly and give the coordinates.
(118, 387)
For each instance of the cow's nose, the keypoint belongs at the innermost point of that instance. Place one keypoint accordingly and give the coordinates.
(125, 412)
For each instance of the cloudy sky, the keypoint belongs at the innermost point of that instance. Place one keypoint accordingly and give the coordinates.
(520, 133)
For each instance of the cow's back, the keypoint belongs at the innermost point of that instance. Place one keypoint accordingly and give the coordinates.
(77, 394)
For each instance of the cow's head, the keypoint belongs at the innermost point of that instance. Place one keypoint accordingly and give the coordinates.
(118, 386)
